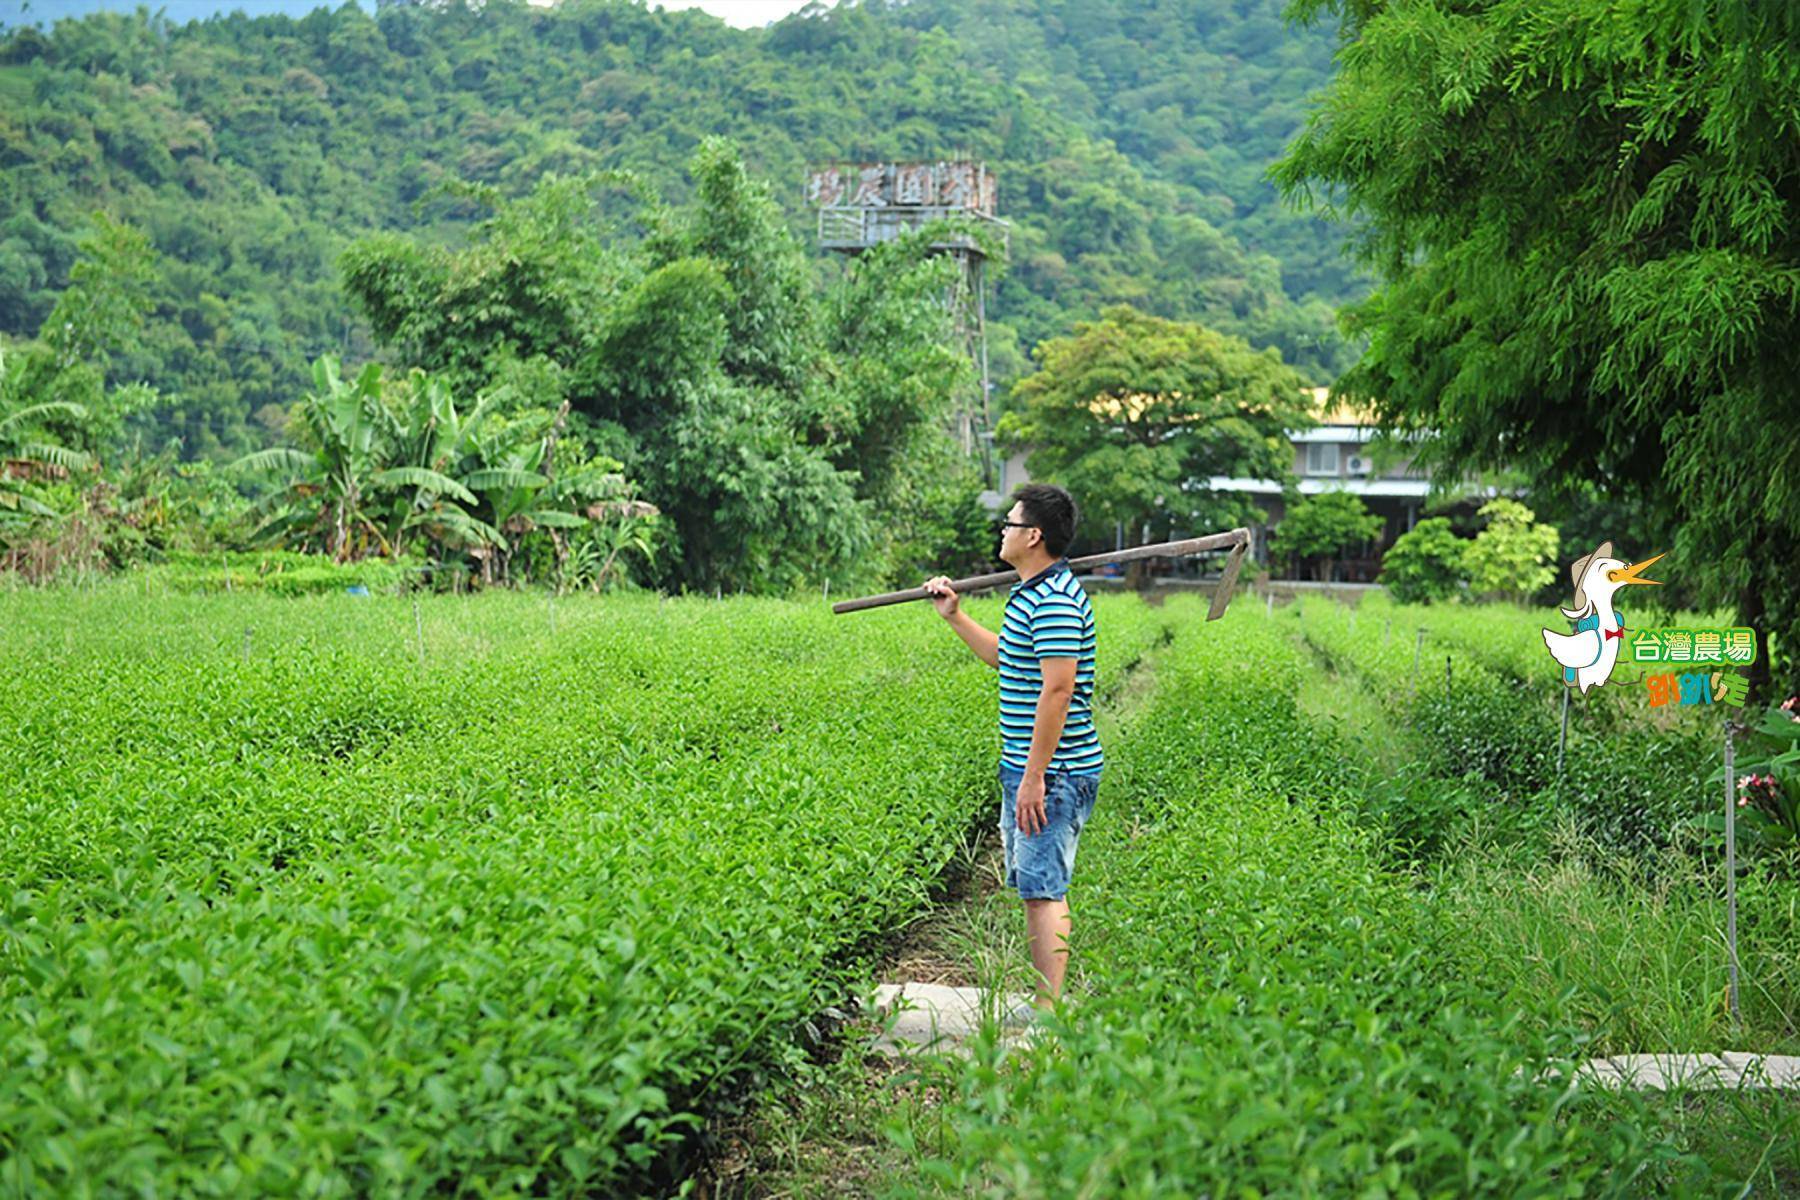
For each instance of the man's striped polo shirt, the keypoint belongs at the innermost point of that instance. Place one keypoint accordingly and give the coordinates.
(1048, 616)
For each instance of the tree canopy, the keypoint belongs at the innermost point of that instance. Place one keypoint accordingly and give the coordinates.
(1134, 413)
(1325, 526)
(764, 419)
(1585, 222)
(1129, 136)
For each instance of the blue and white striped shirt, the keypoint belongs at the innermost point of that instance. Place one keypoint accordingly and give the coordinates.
(1048, 616)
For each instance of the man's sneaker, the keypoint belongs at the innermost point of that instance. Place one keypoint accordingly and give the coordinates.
(1022, 1015)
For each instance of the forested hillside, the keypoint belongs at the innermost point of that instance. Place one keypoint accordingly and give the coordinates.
(1129, 136)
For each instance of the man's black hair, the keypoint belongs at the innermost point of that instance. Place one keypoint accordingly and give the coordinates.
(1052, 510)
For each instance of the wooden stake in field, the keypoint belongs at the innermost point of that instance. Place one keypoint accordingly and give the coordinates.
(1238, 540)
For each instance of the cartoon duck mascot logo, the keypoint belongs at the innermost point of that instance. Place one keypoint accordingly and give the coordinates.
(1589, 654)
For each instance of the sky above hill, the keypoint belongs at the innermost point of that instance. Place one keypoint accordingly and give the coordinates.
(745, 14)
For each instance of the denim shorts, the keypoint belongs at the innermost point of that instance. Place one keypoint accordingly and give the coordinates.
(1039, 864)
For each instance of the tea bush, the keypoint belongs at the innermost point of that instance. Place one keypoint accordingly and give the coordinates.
(1633, 777)
(304, 897)
(278, 572)
(1273, 1009)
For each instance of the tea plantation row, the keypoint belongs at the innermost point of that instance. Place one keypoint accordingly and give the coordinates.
(319, 897)
(1275, 1003)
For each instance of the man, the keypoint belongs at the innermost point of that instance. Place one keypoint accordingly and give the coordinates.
(1049, 750)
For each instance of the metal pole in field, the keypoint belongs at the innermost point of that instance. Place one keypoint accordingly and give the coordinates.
(1731, 941)
(1562, 740)
(1446, 675)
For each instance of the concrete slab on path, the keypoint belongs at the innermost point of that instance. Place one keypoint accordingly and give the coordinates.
(934, 1017)
(1660, 1072)
(939, 1018)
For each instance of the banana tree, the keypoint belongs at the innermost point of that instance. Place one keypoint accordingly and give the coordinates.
(435, 441)
(514, 493)
(27, 456)
(332, 491)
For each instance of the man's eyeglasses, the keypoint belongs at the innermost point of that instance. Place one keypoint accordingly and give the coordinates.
(1016, 525)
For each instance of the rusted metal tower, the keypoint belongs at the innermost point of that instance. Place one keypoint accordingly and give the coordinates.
(862, 204)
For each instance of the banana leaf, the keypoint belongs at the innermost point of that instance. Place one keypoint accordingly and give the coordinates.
(423, 477)
(56, 456)
(489, 478)
(49, 408)
(555, 519)
(270, 461)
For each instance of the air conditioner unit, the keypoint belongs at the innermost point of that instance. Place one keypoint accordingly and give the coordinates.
(1358, 465)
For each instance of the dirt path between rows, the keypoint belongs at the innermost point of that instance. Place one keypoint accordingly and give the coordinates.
(822, 1136)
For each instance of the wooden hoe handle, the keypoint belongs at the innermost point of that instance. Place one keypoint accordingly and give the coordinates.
(1237, 539)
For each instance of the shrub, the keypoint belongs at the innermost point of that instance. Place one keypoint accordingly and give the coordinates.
(279, 573)
(1511, 558)
(1325, 526)
(1425, 564)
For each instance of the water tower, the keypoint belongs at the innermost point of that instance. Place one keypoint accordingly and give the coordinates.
(864, 203)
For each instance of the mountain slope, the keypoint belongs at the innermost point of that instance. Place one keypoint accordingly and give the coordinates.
(1129, 137)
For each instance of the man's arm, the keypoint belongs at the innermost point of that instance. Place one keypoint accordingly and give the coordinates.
(1046, 732)
(985, 644)
(1052, 712)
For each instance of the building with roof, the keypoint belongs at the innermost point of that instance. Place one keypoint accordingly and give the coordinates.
(1335, 455)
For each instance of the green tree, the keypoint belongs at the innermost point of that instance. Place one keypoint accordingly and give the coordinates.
(1325, 527)
(1130, 137)
(28, 455)
(107, 298)
(1514, 555)
(898, 367)
(64, 373)
(767, 424)
(897, 373)
(1425, 564)
(1134, 413)
(1586, 225)
(331, 492)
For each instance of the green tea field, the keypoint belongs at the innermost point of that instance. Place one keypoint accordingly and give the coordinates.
(503, 896)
